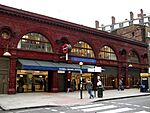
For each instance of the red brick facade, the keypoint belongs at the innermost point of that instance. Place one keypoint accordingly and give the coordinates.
(19, 22)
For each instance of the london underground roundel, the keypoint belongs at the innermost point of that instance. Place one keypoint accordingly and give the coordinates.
(66, 48)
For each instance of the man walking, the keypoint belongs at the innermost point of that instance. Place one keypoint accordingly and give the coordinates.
(89, 87)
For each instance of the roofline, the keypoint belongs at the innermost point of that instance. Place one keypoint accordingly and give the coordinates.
(68, 25)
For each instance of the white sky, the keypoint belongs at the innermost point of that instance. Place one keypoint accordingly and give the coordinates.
(83, 12)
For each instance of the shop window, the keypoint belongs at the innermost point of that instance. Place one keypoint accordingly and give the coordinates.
(32, 80)
(133, 57)
(107, 53)
(35, 42)
(82, 49)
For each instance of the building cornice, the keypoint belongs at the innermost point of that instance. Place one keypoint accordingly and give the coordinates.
(65, 24)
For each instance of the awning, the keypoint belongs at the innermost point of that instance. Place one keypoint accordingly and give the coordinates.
(47, 65)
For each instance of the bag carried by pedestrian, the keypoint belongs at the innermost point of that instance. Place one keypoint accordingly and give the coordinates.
(122, 87)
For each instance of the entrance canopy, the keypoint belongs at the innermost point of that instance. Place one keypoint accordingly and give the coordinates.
(47, 65)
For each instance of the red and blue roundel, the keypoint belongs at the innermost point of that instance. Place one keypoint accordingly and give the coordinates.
(66, 48)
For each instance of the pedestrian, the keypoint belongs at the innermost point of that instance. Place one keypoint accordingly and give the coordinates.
(44, 82)
(74, 84)
(120, 85)
(99, 83)
(68, 85)
(100, 88)
(113, 83)
(33, 84)
(89, 87)
(138, 83)
(41, 83)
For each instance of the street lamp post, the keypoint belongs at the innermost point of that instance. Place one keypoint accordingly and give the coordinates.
(81, 85)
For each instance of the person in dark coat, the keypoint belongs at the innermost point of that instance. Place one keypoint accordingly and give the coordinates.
(33, 84)
(74, 84)
(68, 85)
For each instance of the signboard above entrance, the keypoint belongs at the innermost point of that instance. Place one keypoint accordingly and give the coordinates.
(83, 59)
(95, 69)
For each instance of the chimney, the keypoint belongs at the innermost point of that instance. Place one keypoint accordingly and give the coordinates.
(131, 15)
(97, 24)
(113, 19)
(142, 13)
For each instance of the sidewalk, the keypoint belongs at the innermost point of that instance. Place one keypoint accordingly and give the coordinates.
(32, 100)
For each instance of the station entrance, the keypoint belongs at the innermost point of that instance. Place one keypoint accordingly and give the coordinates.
(40, 81)
(32, 81)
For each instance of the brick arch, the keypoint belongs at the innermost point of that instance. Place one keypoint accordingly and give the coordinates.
(42, 32)
(135, 51)
(112, 47)
(44, 36)
(86, 43)
(48, 36)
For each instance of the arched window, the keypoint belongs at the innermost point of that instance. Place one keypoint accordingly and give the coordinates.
(35, 42)
(82, 49)
(107, 53)
(133, 57)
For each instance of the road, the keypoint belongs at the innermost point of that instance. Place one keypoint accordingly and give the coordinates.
(127, 105)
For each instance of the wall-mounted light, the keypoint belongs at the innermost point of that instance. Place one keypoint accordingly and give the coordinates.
(81, 63)
(6, 53)
(21, 75)
(130, 65)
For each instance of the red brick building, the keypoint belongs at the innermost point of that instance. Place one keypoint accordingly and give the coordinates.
(32, 56)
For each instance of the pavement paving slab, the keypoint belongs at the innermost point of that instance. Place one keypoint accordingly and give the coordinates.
(32, 100)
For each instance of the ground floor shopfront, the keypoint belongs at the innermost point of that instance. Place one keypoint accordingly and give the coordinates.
(45, 76)
(41, 81)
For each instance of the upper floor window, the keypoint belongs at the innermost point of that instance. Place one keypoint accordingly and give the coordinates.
(133, 57)
(107, 53)
(82, 49)
(35, 42)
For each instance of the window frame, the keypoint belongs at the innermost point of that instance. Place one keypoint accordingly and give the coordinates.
(107, 54)
(83, 49)
(35, 42)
